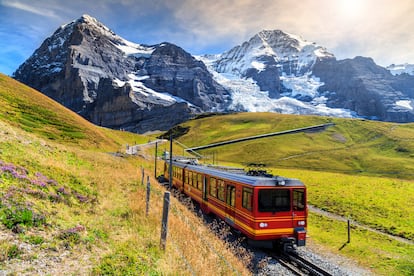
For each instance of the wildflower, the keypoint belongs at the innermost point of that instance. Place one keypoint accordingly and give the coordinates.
(81, 198)
(63, 191)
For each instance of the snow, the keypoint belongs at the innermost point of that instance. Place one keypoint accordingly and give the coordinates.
(140, 90)
(258, 65)
(305, 85)
(405, 104)
(401, 69)
(246, 94)
(137, 50)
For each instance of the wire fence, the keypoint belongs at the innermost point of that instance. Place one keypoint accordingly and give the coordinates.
(183, 218)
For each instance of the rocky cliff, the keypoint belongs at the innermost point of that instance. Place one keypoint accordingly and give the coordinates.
(370, 90)
(119, 84)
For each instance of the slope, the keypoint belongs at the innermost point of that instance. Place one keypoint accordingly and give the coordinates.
(68, 205)
(350, 146)
(359, 170)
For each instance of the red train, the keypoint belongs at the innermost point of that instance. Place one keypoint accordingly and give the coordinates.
(267, 209)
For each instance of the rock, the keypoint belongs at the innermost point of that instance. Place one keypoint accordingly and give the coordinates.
(119, 84)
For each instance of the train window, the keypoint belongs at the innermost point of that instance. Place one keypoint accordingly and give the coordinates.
(274, 200)
(220, 189)
(213, 187)
(186, 177)
(194, 179)
(299, 199)
(231, 195)
(190, 178)
(247, 198)
(199, 181)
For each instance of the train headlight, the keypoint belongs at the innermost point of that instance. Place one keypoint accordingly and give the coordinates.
(301, 222)
(262, 224)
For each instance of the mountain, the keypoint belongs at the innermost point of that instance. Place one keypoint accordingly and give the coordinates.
(368, 89)
(280, 72)
(123, 85)
(119, 84)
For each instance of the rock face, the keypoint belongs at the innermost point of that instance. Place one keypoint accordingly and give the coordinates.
(119, 84)
(304, 78)
(267, 55)
(370, 90)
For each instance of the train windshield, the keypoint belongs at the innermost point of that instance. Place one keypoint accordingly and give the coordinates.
(274, 200)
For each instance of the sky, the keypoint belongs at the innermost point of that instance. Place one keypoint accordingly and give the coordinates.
(381, 29)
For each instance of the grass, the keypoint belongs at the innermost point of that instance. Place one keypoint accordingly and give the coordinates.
(64, 193)
(382, 255)
(381, 203)
(358, 169)
(351, 146)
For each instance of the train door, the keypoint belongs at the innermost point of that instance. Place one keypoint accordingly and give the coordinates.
(231, 203)
(299, 215)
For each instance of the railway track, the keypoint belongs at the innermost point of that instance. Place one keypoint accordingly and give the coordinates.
(298, 265)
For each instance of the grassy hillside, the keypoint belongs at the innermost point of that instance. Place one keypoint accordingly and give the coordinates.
(68, 205)
(351, 146)
(361, 170)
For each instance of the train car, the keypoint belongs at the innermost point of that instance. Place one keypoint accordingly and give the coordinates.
(268, 210)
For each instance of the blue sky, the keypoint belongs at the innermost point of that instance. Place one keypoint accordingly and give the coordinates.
(381, 29)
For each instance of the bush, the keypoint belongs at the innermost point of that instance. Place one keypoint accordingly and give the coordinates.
(20, 216)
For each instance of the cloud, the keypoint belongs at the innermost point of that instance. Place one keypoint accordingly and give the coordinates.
(28, 8)
(381, 29)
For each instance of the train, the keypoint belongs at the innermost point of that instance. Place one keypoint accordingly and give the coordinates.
(271, 211)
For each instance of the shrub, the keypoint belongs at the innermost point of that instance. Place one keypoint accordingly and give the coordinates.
(20, 216)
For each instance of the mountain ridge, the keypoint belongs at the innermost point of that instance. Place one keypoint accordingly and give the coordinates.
(124, 85)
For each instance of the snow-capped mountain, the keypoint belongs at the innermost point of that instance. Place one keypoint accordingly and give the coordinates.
(121, 84)
(273, 72)
(280, 72)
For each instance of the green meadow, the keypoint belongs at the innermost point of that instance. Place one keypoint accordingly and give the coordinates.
(358, 169)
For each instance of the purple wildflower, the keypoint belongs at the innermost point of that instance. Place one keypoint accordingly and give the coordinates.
(38, 182)
(63, 191)
(78, 228)
(36, 193)
(81, 198)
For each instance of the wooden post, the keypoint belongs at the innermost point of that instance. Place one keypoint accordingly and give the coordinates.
(143, 174)
(148, 196)
(155, 165)
(164, 223)
(170, 171)
(349, 231)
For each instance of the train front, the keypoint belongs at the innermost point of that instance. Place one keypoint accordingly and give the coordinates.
(281, 212)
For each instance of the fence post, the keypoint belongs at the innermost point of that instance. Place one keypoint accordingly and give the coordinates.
(142, 179)
(164, 223)
(148, 196)
(170, 171)
(155, 165)
(349, 231)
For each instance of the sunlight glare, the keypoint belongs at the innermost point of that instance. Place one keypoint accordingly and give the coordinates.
(351, 8)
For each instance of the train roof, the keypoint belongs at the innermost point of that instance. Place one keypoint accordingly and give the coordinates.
(241, 178)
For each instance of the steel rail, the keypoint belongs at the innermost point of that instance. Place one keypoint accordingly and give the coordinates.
(303, 129)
